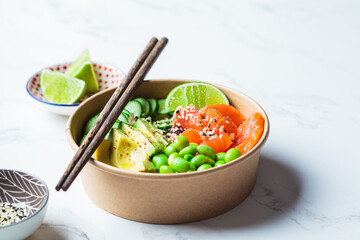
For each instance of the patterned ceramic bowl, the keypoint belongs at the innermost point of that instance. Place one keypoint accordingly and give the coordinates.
(107, 75)
(26, 191)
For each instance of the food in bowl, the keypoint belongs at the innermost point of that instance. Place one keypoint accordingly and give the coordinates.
(11, 213)
(68, 87)
(172, 135)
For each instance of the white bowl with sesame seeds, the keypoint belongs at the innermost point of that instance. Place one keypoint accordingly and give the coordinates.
(23, 204)
(108, 76)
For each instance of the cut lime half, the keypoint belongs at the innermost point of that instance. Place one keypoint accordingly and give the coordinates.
(60, 88)
(198, 93)
(83, 69)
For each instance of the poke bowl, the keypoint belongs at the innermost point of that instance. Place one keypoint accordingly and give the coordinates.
(107, 75)
(167, 198)
(26, 195)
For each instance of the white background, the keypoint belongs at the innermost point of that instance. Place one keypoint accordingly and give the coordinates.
(298, 59)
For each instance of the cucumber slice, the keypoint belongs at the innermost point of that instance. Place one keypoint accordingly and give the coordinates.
(162, 109)
(145, 106)
(135, 108)
(123, 118)
(90, 123)
(163, 124)
(153, 105)
(126, 112)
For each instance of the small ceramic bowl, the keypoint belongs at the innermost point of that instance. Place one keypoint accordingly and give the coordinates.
(107, 75)
(167, 198)
(25, 190)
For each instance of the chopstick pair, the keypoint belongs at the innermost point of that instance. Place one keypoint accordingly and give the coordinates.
(112, 110)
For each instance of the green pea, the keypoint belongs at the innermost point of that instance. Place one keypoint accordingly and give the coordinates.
(194, 144)
(159, 160)
(207, 151)
(231, 154)
(165, 169)
(198, 160)
(220, 156)
(188, 150)
(219, 163)
(192, 166)
(172, 157)
(203, 167)
(170, 149)
(180, 165)
(181, 142)
(209, 160)
(190, 170)
(188, 157)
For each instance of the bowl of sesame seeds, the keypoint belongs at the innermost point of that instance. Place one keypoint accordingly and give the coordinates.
(23, 203)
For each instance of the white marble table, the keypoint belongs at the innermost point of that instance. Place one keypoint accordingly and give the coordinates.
(298, 59)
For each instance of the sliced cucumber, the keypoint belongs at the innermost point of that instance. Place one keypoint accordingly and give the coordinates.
(126, 112)
(161, 109)
(135, 108)
(124, 118)
(145, 106)
(90, 123)
(163, 124)
(153, 105)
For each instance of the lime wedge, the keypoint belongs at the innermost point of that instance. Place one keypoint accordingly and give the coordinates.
(198, 93)
(82, 68)
(60, 88)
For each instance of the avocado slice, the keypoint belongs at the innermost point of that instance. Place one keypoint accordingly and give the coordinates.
(102, 153)
(127, 154)
(139, 138)
(145, 126)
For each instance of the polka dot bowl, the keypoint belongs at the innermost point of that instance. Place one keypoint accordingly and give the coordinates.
(108, 76)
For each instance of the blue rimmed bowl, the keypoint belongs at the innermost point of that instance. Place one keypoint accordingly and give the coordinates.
(108, 76)
(23, 190)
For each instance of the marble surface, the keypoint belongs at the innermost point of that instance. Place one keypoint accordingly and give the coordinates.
(298, 59)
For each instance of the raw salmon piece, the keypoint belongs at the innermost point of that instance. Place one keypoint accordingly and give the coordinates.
(249, 133)
(193, 136)
(228, 111)
(219, 143)
(186, 117)
(212, 120)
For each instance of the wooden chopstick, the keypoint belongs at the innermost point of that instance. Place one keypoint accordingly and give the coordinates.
(114, 114)
(107, 109)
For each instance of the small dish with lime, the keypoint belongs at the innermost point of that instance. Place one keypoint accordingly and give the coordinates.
(60, 88)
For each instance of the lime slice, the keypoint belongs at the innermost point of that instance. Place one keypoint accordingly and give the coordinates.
(197, 93)
(83, 69)
(60, 88)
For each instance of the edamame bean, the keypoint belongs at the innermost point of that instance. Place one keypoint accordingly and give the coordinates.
(170, 149)
(232, 154)
(181, 142)
(207, 151)
(188, 150)
(198, 160)
(209, 160)
(190, 170)
(165, 169)
(220, 156)
(192, 166)
(172, 157)
(194, 144)
(219, 163)
(180, 165)
(159, 160)
(203, 167)
(188, 157)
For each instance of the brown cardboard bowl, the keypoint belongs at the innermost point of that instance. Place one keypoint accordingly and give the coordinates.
(167, 198)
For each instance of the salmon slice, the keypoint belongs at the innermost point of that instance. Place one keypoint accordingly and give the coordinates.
(193, 136)
(249, 133)
(211, 120)
(228, 111)
(219, 143)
